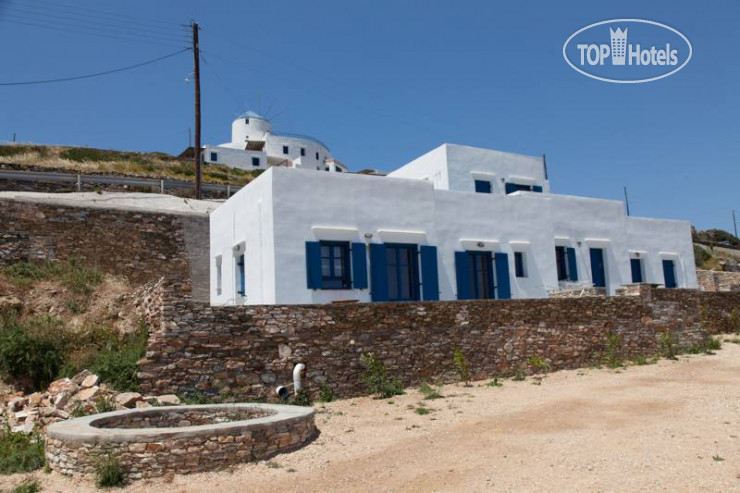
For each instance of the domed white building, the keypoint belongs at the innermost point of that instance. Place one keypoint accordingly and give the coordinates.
(255, 146)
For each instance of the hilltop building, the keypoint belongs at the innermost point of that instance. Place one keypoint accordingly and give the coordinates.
(456, 223)
(254, 145)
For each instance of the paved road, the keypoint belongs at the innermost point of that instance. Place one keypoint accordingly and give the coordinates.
(58, 177)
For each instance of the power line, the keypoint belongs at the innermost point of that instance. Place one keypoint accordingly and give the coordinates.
(125, 26)
(104, 14)
(78, 30)
(98, 74)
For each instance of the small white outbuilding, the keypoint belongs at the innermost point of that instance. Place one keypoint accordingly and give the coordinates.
(456, 223)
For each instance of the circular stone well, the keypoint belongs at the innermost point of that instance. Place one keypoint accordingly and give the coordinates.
(152, 442)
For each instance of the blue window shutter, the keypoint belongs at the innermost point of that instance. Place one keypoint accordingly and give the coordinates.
(510, 188)
(313, 264)
(598, 273)
(669, 274)
(378, 272)
(482, 186)
(572, 265)
(502, 276)
(429, 278)
(636, 266)
(463, 269)
(537, 188)
(359, 266)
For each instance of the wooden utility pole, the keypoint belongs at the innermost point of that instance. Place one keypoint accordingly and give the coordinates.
(196, 77)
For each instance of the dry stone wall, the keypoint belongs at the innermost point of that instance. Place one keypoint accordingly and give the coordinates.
(141, 245)
(249, 350)
(712, 280)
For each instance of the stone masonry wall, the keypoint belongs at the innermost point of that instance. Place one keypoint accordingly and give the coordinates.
(249, 350)
(712, 280)
(140, 245)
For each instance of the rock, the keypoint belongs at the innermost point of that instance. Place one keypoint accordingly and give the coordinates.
(78, 379)
(90, 381)
(26, 427)
(34, 400)
(128, 399)
(21, 415)
(142, 404)
(86, 394)
(168, 400)
(16, 404)
(62, 385)
(10, 304)
(62, 399)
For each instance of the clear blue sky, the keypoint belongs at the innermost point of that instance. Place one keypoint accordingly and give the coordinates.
(385, 81)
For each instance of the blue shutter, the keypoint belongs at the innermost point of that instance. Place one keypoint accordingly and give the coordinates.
(537, 188)
(502, 276)
(636, 266)
(242, 273)
(378, 272)
(359, 266)
(598, 274)
(463, 269)
(482, 186)
(572, 265)
(429, 279)
(313, 264)
(510, 188)
(669, 274)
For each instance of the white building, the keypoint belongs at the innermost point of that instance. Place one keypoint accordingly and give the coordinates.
(255, 146)
(456, 223)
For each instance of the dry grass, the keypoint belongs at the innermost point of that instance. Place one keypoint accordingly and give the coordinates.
(147, 164)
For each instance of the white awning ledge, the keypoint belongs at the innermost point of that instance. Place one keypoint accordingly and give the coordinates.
(482, 245)
(402, 235)
(334, 232)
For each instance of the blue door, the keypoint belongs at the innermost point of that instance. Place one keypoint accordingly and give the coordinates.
(636, 266)
(482, 287)
(598, 272)
(403, 272)
(241, 276)
(669, 274)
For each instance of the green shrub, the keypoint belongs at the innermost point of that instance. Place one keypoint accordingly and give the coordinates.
(115, 362)
(668, 345)
(377, 380)
(701, 256)
(538, 363)
(462, 366)
(301, 398)
(733, 321)
(20, 452)
(31, 353)
(518, 375)
(430, 392)
(326, 394)
(422, 410)
(109, 472)
(76, 277)
(495, 383)
(28, 486)
(613, 344)
(14, 150)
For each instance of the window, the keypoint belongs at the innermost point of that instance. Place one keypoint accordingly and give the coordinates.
(335, 268)
(598, 268)
(516, 187)
(303, 151)
(328, 168)
(519, 267)
(338, 170)
(482, 186)
(255, 161)
(317, 155)
(218, 275)
(246, 120)
(214, 157)
(241, 287)
(636, 267)
(285, 149)
(565, 259)
(403, 272)
(482, 270)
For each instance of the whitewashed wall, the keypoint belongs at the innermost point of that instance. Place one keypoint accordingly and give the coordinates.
(299, 206)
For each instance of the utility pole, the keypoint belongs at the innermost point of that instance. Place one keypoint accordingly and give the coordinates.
(627, 200)
(196, 77)
(734, 222)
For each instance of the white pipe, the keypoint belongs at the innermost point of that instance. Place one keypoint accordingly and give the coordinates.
(297, 370)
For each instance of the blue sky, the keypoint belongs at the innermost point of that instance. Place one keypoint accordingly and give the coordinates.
(383, 82)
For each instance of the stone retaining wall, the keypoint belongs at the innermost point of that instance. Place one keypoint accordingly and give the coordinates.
(249, 350)
(712, 280)
(75, 447)
(140, 245)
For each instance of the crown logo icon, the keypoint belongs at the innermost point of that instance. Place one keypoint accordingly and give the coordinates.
(619, 45)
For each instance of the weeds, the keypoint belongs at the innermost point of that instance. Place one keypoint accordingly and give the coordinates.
(519, 375)
(733, 321)
(109, 472)
(538, 364)
(668, 345)
(462, 366)
(495, 383)
(717, 458)
(326, 394)
(430, 392)
(28, 486)
(613, 343)
(422, 410)
(377, 380)
(301, 398)
(79, 279)
(30, 352)
(20, 452)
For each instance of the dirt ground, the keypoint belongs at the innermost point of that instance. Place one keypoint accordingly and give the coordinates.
(669, 426)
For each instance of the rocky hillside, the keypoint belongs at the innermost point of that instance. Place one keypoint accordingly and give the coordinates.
(715, 249)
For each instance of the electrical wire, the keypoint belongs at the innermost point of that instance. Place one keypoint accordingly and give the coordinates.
(78, 30)
(85, 22)
(98, 74)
